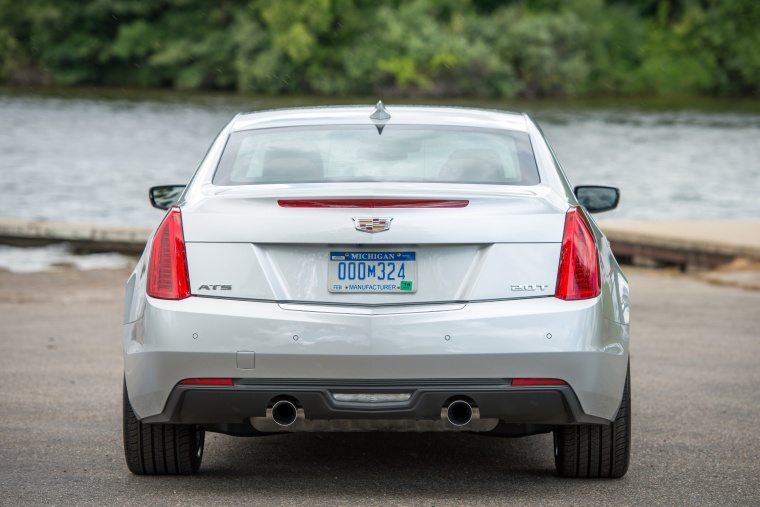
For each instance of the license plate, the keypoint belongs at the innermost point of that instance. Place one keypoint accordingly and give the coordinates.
(372, 272)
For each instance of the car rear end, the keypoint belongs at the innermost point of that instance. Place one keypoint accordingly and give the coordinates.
(329, 272)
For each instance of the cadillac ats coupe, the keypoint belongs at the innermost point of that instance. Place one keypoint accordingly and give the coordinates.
(378, 269)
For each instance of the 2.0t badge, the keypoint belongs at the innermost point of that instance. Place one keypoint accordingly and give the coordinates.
(372, 224)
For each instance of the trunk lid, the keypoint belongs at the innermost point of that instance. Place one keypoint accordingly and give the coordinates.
(243, 244)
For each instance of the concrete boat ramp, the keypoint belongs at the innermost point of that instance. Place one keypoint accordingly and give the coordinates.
(86, 238)
(689, 245)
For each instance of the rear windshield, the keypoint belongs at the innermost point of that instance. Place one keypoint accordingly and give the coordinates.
(399, 153)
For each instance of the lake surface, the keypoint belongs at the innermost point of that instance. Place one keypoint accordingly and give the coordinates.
(83, 156)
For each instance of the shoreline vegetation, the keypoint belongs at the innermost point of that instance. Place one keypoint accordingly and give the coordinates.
(424, 50)
(240, 101)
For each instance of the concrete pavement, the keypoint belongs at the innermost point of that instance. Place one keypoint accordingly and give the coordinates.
(695, 352)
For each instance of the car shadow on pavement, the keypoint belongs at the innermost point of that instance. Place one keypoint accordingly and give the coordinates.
(354, 464)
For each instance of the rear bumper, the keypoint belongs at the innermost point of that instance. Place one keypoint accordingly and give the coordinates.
(493, 399)
(541, 337)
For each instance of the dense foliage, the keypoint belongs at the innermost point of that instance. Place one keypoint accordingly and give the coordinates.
(423, 47)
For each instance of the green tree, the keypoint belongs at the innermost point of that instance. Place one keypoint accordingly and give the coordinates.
(516, 48)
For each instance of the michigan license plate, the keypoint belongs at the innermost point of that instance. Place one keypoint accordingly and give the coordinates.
(372, 272)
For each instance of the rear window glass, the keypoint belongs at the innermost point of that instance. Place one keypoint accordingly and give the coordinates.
(401, 153)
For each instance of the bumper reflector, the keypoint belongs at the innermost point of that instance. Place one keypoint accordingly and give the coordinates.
(372, 397)
(538, 382)
(206, 382)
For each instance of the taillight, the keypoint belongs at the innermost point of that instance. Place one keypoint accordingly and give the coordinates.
(167, 269)
(578, 276)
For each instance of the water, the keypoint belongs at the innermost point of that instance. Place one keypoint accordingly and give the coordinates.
(91, 157)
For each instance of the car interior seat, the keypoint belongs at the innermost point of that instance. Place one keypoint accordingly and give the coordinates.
(293, 164)
(472, 165)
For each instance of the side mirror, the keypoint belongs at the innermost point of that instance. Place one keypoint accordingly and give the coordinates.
(597, 198)
(165, 196)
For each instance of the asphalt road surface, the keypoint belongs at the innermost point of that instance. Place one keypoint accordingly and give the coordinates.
(696, 402)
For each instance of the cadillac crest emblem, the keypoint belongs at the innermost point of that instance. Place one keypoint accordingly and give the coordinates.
(372, 224)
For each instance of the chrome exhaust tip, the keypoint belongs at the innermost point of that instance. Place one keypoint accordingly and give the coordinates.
(284, 413)
(459, 412)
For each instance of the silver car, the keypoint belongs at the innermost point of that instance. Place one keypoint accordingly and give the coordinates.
(378, 269)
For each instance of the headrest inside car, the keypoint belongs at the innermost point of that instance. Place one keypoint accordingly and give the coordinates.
(293, 165)
(472, 165)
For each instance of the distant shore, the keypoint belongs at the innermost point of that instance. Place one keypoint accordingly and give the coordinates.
(243, 101)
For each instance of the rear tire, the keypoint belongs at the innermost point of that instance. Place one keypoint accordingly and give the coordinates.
(596, 450)
(160, 449)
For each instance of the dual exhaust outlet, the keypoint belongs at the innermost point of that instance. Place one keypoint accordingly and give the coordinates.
(458, 412)
(284, 413)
